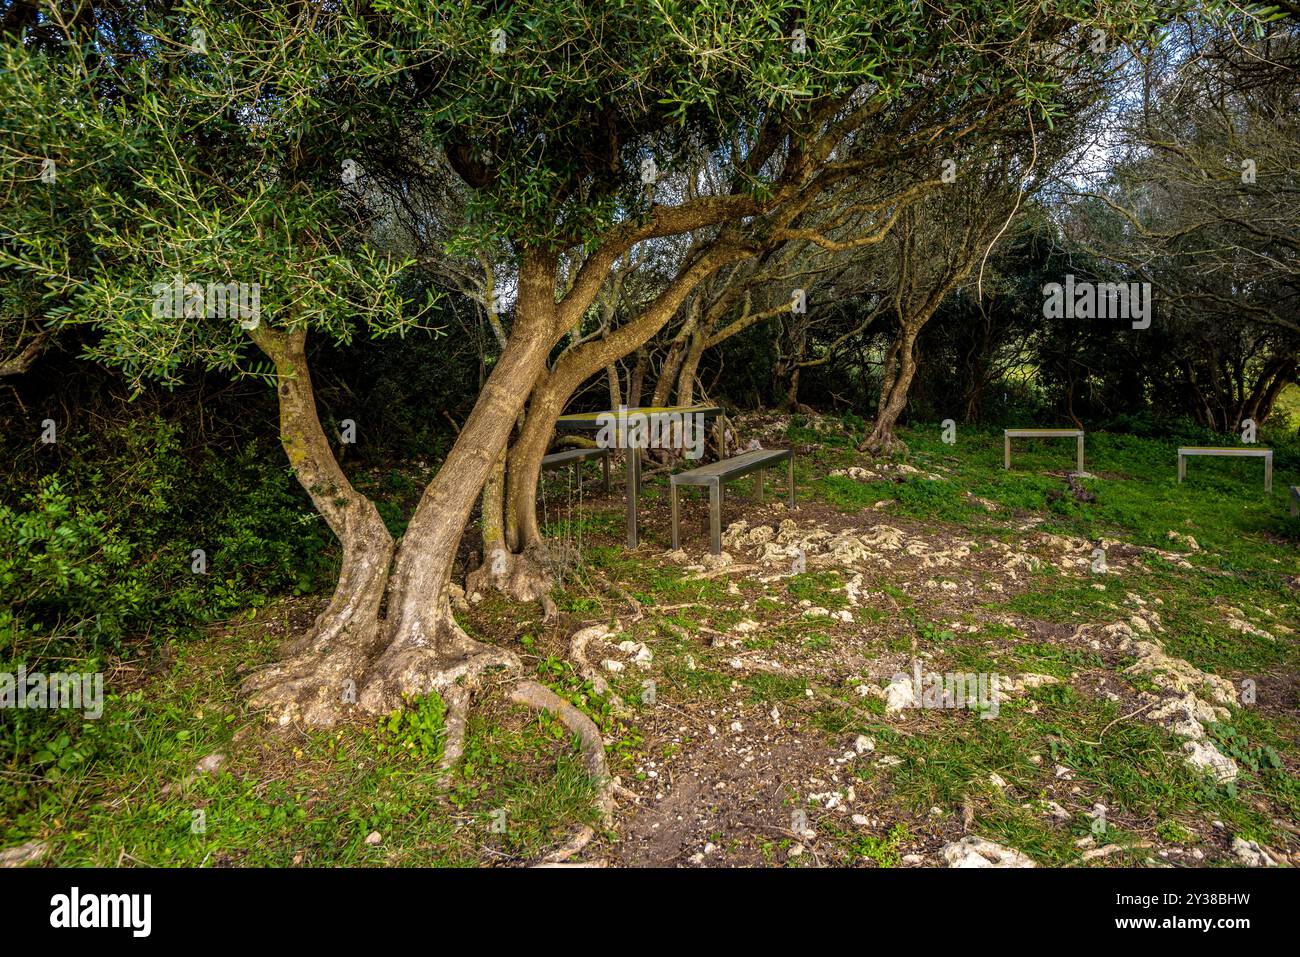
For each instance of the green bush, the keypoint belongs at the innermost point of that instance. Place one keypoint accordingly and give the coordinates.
(101, 553)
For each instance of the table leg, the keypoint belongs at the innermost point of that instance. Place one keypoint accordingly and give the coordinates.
(1182, 468)
(715, 517)
(633, 487)
(789, 478)
(758, 486)
(1006, 451)
(1081, 455)
(676, 516)
(1268, 475)
(604, 463)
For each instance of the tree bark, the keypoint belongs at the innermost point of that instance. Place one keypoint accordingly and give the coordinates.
(425, 649)
(900, 367)
(554, 389)
(686, 379)
(313, 683)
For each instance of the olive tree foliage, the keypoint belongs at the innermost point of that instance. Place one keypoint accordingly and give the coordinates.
(1201, 203)
(174, 212)
(220, 146)
(907, 109)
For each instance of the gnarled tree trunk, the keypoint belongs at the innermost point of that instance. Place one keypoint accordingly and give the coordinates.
(313, 683)
(527, 577)
(425, 649)
(900, 367)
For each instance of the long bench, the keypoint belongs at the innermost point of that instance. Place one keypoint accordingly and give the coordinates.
(558, 460)
(715, 474)
(1231, 452)
(1009, 434)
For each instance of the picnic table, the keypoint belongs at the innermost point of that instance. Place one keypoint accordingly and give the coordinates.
(594, 422)
(1009, 434)
(1233, 451)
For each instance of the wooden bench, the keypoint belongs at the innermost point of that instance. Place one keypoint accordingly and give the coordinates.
(715, 474)
(557, 460)
(1231, 452)
(1009, 434)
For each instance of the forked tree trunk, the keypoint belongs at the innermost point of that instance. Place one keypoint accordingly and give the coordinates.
(636, 378)
(424, 648)
(900, 367)
(417, 646)
(686, 379)
(313, 682)
(526, 575)
(792, 393)
(670, 369)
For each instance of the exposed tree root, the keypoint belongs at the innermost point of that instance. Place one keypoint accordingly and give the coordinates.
(578, 642)
(885, 444)
(524, 576)
(721, 572)
(313, 689)
(533, 695)
(569, 848)
(408, 672)
(578, 653)
(456, 700)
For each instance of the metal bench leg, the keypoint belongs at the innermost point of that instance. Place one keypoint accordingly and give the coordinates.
(604, 464)
(715, 517)
(1182, 468)
(1081, 455)
(577, 473)
(789, 479)
(1295, 505)
(1268, 475)
(758, 486)
(1006, 451)
(633, 486)
(676, 517)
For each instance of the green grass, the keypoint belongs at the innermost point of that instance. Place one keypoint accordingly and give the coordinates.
(120, 790)
(309, 801)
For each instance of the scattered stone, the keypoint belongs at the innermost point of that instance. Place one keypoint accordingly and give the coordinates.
(373, 838)
(1251, 854)
(1204, 755)
(210, 765)
(972, 851)
(900, 695)
(23, 854)
(864, 745)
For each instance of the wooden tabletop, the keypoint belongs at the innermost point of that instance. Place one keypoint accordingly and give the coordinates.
(592, 421)
(1048, 433)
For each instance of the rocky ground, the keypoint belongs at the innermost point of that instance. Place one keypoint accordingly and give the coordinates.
(931, 662)
(783, 721)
